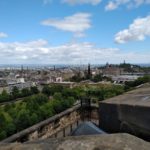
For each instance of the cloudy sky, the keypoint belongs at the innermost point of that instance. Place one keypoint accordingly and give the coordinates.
(74, 31)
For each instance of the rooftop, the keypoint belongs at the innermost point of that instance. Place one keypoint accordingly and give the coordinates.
(137, 97)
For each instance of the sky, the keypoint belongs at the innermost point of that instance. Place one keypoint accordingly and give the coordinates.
(74, 31)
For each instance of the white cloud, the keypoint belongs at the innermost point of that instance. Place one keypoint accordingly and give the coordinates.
(3, 35)
(137, 31)
(76, 23)
(41, 52)
(17, 51)
(111, 6)
(76, 2)
(114, 4)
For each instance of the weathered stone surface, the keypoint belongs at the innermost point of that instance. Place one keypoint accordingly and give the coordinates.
(127, 113)
(97, 142)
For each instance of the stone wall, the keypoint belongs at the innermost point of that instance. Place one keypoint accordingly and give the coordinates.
(54, 127)
(109, 117)
(59, 125)
(132, 119)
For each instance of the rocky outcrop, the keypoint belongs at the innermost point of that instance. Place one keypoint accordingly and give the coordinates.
(96, 142)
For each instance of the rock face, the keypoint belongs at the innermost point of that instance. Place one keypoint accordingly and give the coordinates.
(96, 142)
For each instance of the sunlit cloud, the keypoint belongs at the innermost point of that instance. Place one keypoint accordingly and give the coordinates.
(137, 31)
(76, 24)
(40, 51)
(3, 35)
(114, 4)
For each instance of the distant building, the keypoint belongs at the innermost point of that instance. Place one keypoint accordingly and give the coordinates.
(20, 86)
(124, 78)
(112, 70)
(59, 79)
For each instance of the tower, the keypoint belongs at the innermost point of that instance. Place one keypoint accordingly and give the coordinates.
(107, 65)
(22, 71)
(89, 69)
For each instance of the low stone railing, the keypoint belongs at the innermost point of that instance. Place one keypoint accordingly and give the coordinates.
(59, 125)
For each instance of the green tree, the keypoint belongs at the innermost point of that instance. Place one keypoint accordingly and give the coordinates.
(97, 78)
(46, 90)
(40, 99)
(33, 119)
(57, 106)
(70, 101)
(7, 107)
(56, 88)
(25, 92)
(3, 134)
(32, 104)
(118, 89)
(67, 92)
(76, 78)
(47, 110)
(23, 119)
(139, 81)
(10, 128)
(4, 96)
(15, 92)
(58, 96)
(34, 90)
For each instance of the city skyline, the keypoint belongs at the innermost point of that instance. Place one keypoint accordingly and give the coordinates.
(74, 31)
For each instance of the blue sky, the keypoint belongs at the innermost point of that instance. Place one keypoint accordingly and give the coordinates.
(74, 31)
